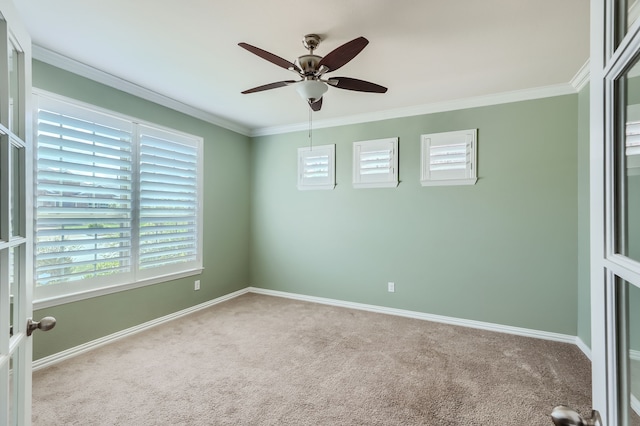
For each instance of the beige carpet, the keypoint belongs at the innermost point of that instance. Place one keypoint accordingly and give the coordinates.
(260, 360)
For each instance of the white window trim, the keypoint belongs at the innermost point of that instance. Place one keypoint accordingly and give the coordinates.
(329, 182)
(449, 182)
(79, 290)
(470, 136)
(386, 180)
(82, 293)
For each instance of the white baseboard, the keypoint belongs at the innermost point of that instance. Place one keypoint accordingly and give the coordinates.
(77, 350)
(635, 404)
(583, 347)
(565, 338)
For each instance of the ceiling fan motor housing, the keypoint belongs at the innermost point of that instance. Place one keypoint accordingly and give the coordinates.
(308, 64)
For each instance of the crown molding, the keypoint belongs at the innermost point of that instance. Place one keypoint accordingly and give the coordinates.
(479, 101)
(582, 77)
(57, 60)
(60, 61)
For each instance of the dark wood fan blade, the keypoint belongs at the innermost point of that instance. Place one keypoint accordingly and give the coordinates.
(343, 54)
(316, 105)
(355, 84)
(269, 86)
(269, 57)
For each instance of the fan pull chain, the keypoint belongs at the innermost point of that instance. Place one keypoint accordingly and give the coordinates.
(310, 129)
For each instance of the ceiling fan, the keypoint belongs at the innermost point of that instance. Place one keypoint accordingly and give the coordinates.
(312, 68)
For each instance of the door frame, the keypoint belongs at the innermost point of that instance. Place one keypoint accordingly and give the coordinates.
(610, 57)
(15, 350)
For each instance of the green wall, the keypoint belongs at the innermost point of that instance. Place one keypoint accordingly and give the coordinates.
(226, 227)
(509, 250)
(584, 263)
(503, 251)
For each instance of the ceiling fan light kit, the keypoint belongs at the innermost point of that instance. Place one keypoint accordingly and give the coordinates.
(311, 90)
(311, 68)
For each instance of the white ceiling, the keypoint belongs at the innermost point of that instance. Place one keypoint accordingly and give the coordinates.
(425, 51)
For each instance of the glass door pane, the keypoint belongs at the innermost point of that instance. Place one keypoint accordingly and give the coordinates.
(626, 221)
(629, 326)
(14, 290)
(16, 191)
(627, 152)
(14, 89)
(5, 165)
(13, 415)
(628, 12)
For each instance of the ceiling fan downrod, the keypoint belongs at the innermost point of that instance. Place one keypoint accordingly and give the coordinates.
(309, 64)
(311, 42)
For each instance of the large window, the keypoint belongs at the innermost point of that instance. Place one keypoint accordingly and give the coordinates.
(117, 200)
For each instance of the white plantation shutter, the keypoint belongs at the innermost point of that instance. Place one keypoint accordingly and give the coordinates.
(83, 196)
(449, 158)
(375, 163)
(632, 150)
(633, 138)
(316, 167)
(168, 199)
(117, 202)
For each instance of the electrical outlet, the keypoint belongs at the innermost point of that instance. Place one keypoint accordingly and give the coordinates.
(196, 285)
(391, 287)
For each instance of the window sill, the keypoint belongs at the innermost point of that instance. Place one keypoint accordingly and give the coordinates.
(449, 182)
(88, 294)
(315, 187)
(360, 185)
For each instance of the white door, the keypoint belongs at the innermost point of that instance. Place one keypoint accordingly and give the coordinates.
(615, 209)
(15, 219)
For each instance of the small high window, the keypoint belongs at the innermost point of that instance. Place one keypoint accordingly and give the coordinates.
(375, 163)
(449, 158)
(317, 167)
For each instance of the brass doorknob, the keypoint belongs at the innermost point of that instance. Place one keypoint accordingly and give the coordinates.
(565, 416)
(45, 324)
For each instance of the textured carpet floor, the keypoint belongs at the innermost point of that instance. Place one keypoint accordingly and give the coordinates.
(260, 360)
